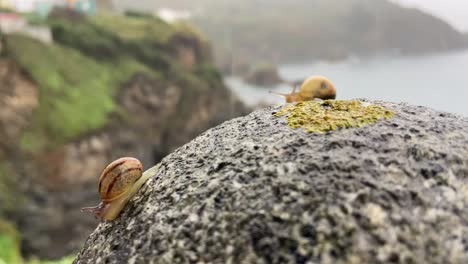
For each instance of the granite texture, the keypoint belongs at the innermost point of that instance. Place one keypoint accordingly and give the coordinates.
(253, 190)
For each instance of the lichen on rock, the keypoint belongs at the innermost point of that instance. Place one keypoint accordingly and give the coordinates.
(323, 116)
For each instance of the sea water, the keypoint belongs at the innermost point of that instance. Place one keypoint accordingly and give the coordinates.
(436, 81)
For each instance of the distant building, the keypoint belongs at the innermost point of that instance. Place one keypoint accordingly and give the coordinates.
(10, 22)
(43, 7)
(14, 23)
(18, 5)
(171, 15)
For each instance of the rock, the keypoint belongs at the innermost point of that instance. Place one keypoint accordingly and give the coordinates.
(18, 98)
(253, 190)
(264, 75)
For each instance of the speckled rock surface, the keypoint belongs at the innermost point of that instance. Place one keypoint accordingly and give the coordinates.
(253, 190)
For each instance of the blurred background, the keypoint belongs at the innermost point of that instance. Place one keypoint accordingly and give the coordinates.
(83, 82)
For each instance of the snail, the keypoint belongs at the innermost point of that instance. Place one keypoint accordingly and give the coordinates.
(119, 182)
(313, 87)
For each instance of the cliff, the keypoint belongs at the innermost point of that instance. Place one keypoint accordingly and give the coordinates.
(247, 32)
(254, 190)
(108, 86)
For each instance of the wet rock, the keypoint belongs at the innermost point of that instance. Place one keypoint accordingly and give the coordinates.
(253, 190)
(265, 75)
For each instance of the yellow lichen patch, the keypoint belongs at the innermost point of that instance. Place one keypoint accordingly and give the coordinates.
(323, 116)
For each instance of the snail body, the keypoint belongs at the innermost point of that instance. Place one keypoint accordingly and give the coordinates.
(119, 182)
(313, 87)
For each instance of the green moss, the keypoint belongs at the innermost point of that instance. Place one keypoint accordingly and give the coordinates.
(323, 116)
(9, 244)
(64, 260)
(76, 92)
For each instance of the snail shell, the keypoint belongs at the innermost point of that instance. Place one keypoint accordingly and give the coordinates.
(313, 87)
(118, 177)
(317, 87)
(119, 182)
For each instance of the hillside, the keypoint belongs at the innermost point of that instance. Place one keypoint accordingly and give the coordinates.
(108, 86)
(300, 30)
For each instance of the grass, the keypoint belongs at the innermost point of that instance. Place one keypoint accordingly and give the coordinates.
(64, 260)
(76, 92)
(80, 74)
(131, 28)
(10, 253)
(9, 244)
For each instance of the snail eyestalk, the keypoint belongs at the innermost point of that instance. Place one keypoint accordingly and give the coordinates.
(280, 94)
(98, 210)
(293, 96)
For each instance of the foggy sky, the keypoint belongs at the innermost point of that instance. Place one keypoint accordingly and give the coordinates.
(453, 11)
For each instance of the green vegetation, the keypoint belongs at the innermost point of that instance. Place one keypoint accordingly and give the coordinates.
(148, 39)
(76, 92)
(9, 244)
(80, 75)
(65, 260)
(320, 117)
(136, 28)
(35, 19)
(10, 248)
(209, 73)
(6, 10)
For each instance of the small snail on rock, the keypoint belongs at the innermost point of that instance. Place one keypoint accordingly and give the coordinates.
(119, 181)
(314, 87)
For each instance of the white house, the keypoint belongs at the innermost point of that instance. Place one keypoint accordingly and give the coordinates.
(171, 15)
(10, 22)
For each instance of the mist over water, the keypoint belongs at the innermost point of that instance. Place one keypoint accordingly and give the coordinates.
(438, 81)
